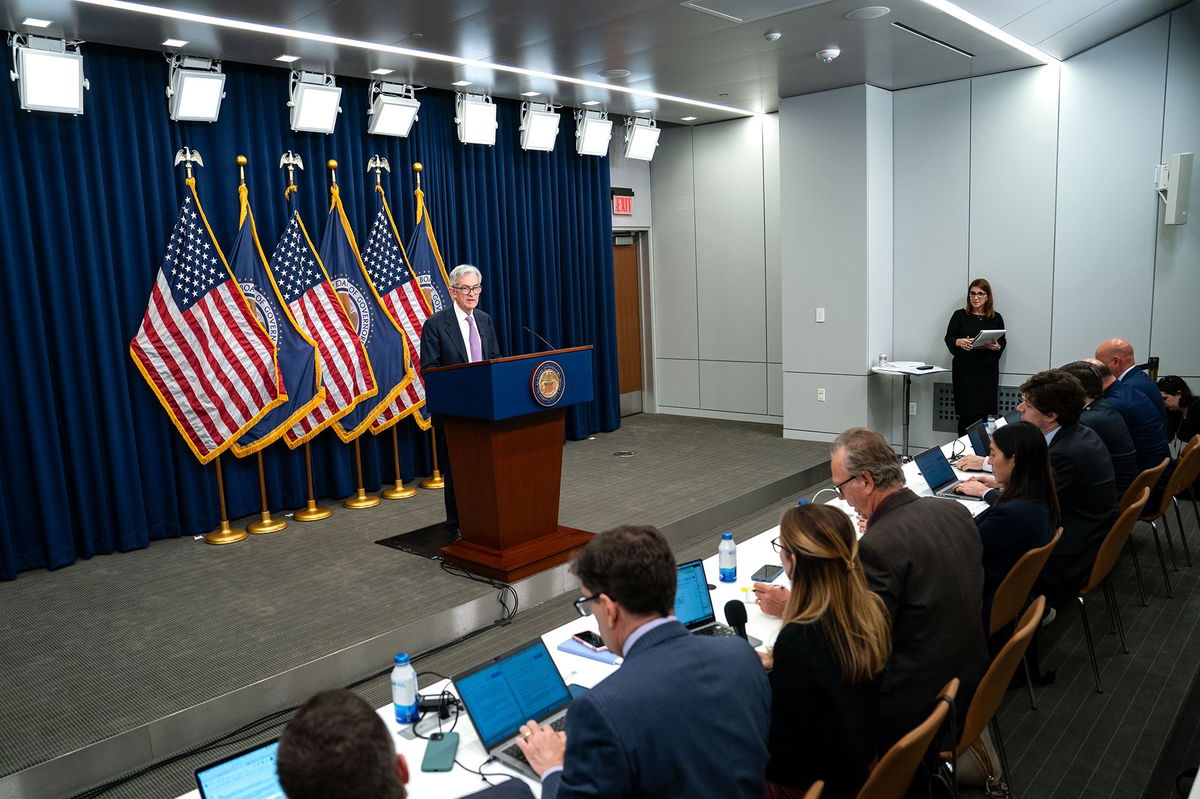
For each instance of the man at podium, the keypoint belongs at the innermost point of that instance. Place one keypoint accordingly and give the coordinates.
(459, 334)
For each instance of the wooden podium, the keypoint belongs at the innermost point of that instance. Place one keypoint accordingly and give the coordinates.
(503, 421)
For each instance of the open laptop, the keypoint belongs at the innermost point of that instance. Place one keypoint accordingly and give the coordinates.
(693, 605)
(1012, 417)
(249, 774)
(508, 690)
(978, 437)
(938, 474)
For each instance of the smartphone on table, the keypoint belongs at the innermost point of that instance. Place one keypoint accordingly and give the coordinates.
(767, 573)
(440, 752)
(590, 639)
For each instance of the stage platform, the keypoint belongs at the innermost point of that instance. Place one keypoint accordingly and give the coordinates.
(116, 662)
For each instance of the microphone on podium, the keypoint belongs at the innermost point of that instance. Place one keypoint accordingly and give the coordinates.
(539, 336)
(735, 616)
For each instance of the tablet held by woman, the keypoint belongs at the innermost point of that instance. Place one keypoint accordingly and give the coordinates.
(975, 370)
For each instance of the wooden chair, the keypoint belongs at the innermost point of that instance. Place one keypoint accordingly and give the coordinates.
(1187, 469)
(1146, 479)
(1013, 593)
(1176, 483)
(893, 774)
(1106, 558)
(990, 693)
(814, 790)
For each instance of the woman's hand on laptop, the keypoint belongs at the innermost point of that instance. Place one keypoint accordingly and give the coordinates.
(976, 486)
(771, 598)
(969, 463)
(543, 747)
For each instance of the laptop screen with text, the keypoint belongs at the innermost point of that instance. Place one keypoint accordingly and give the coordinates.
(693, 606)
(247, 775)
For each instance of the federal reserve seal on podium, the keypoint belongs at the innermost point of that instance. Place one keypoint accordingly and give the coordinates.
(548, 383)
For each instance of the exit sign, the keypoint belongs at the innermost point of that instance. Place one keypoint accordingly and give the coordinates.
(622, 206)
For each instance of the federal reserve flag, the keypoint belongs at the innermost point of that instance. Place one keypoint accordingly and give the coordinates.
(308, 294)
(199, 346)
(380, 335)
(426, 259)
(387, 267)
(298, 362)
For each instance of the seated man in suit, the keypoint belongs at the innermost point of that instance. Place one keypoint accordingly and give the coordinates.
(1117, 355)
(1146, 428)
(1100, 415)
(924, 558)
(337, 747)
(685, 715)
(1083, 478)
(459, 334)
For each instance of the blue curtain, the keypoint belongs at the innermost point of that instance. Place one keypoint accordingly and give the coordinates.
(91, 463)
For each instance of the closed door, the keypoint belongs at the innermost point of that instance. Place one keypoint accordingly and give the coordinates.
(629, 322)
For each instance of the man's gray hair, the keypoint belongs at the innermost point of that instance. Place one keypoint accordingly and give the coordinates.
(865, 450)
(464, 269)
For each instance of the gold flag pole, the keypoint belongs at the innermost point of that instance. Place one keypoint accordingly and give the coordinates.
(224, 534)
(265, 524)
(435, 480)
(362, 499)
(314, 512)
(400, 491)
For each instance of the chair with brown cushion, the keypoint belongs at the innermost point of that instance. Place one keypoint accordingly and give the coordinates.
(990, 693)
(1106, 558)
(1147, 479)
(1013, 593)
(814, 791)
(893, 775)
(1187, 469)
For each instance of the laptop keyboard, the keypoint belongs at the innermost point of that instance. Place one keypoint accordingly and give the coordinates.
(514, 751)
(715, 629)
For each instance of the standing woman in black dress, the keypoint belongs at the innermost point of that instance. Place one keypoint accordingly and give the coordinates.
(976, 372)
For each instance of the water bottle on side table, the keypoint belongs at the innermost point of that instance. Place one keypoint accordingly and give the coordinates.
(727, 558)
(404, 690)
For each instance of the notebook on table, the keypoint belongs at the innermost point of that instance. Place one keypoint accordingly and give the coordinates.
(508, 690)
(249, 774)
(938, 474)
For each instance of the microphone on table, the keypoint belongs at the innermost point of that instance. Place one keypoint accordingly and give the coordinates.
(539, 337)
(735, 616)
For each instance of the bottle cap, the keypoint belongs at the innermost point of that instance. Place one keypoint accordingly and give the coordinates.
(727, 536)
(802, 502)
(401, 659)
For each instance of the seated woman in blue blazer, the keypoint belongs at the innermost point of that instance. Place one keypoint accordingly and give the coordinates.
(1024, 506)
(825, 664)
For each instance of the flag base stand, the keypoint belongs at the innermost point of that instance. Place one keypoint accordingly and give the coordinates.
(313, 513)
(401, 491)
(361, 500)
(434, 481)
(266, 525)
(224, 534)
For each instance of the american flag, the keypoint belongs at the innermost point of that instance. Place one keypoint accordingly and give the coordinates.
(345, 370)
(387, 267)
(200, 347)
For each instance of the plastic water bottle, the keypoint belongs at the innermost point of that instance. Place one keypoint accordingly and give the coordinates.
(404, 690)
(727, 558)
(990, 426)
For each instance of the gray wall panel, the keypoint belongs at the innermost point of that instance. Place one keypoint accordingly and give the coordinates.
(629, 174)
(1014, 142)
(733, 386)
(678, 383)
(676, 332)
(1111, 112)
(774, 298)
(845, 402)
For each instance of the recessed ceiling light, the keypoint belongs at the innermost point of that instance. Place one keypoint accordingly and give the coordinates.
(174, 43)
(868, 12)
(687, 119)
(34, 22)
(287, 59)
(461, 83)
(590, 102)
(614, 73)
(382, 71)
(530, 94)
(642, 111)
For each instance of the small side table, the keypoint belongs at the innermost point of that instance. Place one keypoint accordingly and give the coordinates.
(908, 370)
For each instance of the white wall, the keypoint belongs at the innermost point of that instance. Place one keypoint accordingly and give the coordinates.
(628, 174)
(714, 277)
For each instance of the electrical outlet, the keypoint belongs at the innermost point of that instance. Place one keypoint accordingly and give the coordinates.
(912, 409)
(820, 395)
(820, 314)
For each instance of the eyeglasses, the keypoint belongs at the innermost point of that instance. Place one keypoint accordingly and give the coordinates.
(977, 293)
(778, 547)
(469, 290)
(838, 486)
(581, 604)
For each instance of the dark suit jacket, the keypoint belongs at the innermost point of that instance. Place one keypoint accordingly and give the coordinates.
(1137, 379)
(1087, 499)
(1009, 530)
(924, 558)
(1108, 423)
(442, 341)
(1146, 427)
(684, 716)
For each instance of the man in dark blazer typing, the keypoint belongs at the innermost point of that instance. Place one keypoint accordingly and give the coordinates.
(684, 716)
(459, 334)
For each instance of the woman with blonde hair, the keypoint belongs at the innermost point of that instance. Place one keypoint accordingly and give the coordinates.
(826, 661)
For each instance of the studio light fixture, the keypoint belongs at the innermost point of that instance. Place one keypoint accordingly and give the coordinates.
(314, 102)
(393, 109)
(196, 88)
(49, 74)
(593, 129)
(539, 126)
(475, 116)
(641, 138)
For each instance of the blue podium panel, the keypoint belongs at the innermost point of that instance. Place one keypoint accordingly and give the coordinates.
(505, 388)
